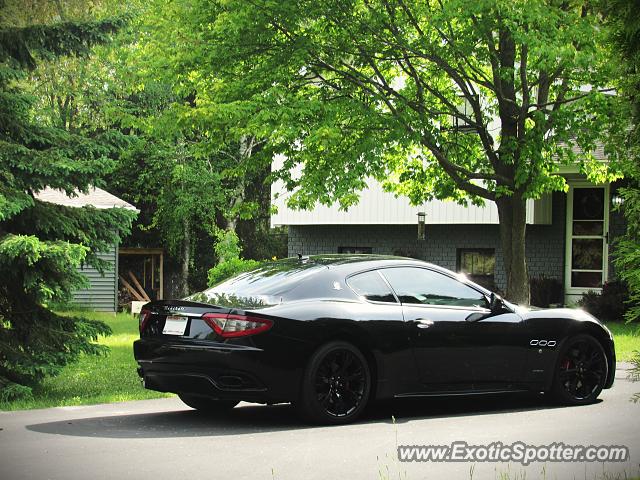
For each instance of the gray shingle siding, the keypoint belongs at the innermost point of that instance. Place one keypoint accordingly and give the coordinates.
(545, 243)
(102, 294)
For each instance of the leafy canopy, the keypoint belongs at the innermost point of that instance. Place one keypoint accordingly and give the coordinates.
(193, 167)
(348, 90)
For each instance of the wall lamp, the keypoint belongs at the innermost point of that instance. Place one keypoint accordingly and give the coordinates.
(422, 235)
(617, 200)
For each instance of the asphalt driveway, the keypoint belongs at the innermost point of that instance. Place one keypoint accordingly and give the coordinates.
(163, 439)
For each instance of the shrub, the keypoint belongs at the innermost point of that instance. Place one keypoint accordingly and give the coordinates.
(229, 268)
(545, 291)
(628, 268)
(229, 262)
(227, 246)
(627, 251)
(610, 305)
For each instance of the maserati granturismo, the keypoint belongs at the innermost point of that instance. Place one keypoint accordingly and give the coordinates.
(331, 333)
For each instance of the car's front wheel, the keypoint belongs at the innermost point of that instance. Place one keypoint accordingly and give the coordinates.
(336, 384)
(581, 371)
(206, 404)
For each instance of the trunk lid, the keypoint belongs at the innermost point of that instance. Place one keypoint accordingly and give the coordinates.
(179, 319)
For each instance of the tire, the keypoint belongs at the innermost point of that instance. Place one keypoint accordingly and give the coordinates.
(336, 385)
(207, 405)
(581, 371)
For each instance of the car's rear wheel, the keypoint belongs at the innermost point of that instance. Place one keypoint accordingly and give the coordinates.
(581, 371)
(206, 404)
(336, 384)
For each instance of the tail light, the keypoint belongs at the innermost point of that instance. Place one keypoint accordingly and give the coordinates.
(143, 319)
(230, 326)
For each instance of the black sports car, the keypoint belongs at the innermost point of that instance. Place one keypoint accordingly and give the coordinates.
(331, 333)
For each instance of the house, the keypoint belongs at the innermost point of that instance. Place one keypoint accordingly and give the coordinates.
(102, 293)
(569, 235)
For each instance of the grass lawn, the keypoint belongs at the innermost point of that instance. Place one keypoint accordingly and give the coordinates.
(111, 378)
(627, 339)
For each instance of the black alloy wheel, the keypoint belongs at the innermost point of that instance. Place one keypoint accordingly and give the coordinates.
(581, 371)
(336, 384)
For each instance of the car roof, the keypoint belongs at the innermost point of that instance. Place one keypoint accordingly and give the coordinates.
(305, 274)
(357, 262)
(347, 264)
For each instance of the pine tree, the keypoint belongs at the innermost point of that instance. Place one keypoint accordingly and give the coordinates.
(42, 244)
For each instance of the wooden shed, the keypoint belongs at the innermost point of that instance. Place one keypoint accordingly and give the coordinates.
(141, 274)
(102, 294)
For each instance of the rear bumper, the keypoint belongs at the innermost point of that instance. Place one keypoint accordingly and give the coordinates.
(217, 370)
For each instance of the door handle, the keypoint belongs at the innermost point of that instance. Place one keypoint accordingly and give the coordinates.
(424, 322)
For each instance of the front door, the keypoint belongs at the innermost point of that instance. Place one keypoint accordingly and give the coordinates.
(587, 240)
(451, 353)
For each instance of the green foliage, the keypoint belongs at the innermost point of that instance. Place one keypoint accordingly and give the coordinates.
(21, 45)
(94, 379)
(228, 251)
(227, 246)
(229, 268)
(189, 175)
(624, 22)
(42, 244)
(193, 169)
(611, 305)
(39, 343)
(627, 259)
(350, 91)
(357, 89)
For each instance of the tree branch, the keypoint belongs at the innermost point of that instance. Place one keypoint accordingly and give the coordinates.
(524, 87)
(454, 171)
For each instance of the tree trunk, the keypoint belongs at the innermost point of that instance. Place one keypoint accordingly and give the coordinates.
(245, 150)
(185, 260)
(512, 212)
(232, 224)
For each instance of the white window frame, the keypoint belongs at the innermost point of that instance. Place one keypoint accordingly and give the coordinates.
(573, 294)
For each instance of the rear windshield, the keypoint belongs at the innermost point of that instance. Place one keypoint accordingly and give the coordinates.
(261, 287)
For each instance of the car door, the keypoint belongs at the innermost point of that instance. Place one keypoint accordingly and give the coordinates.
(382, 315)
(452, 353)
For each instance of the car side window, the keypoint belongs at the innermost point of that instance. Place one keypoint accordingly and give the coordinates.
(426, 287)
(371, 286)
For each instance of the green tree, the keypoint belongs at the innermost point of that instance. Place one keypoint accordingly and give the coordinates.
(42, 244)
(348, 90)
(122, 88)
(622, 16)
(625, 25)
(193, 166)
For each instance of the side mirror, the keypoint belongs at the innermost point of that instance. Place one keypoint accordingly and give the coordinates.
(496, 307)
(496, 304)
(476, 317)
